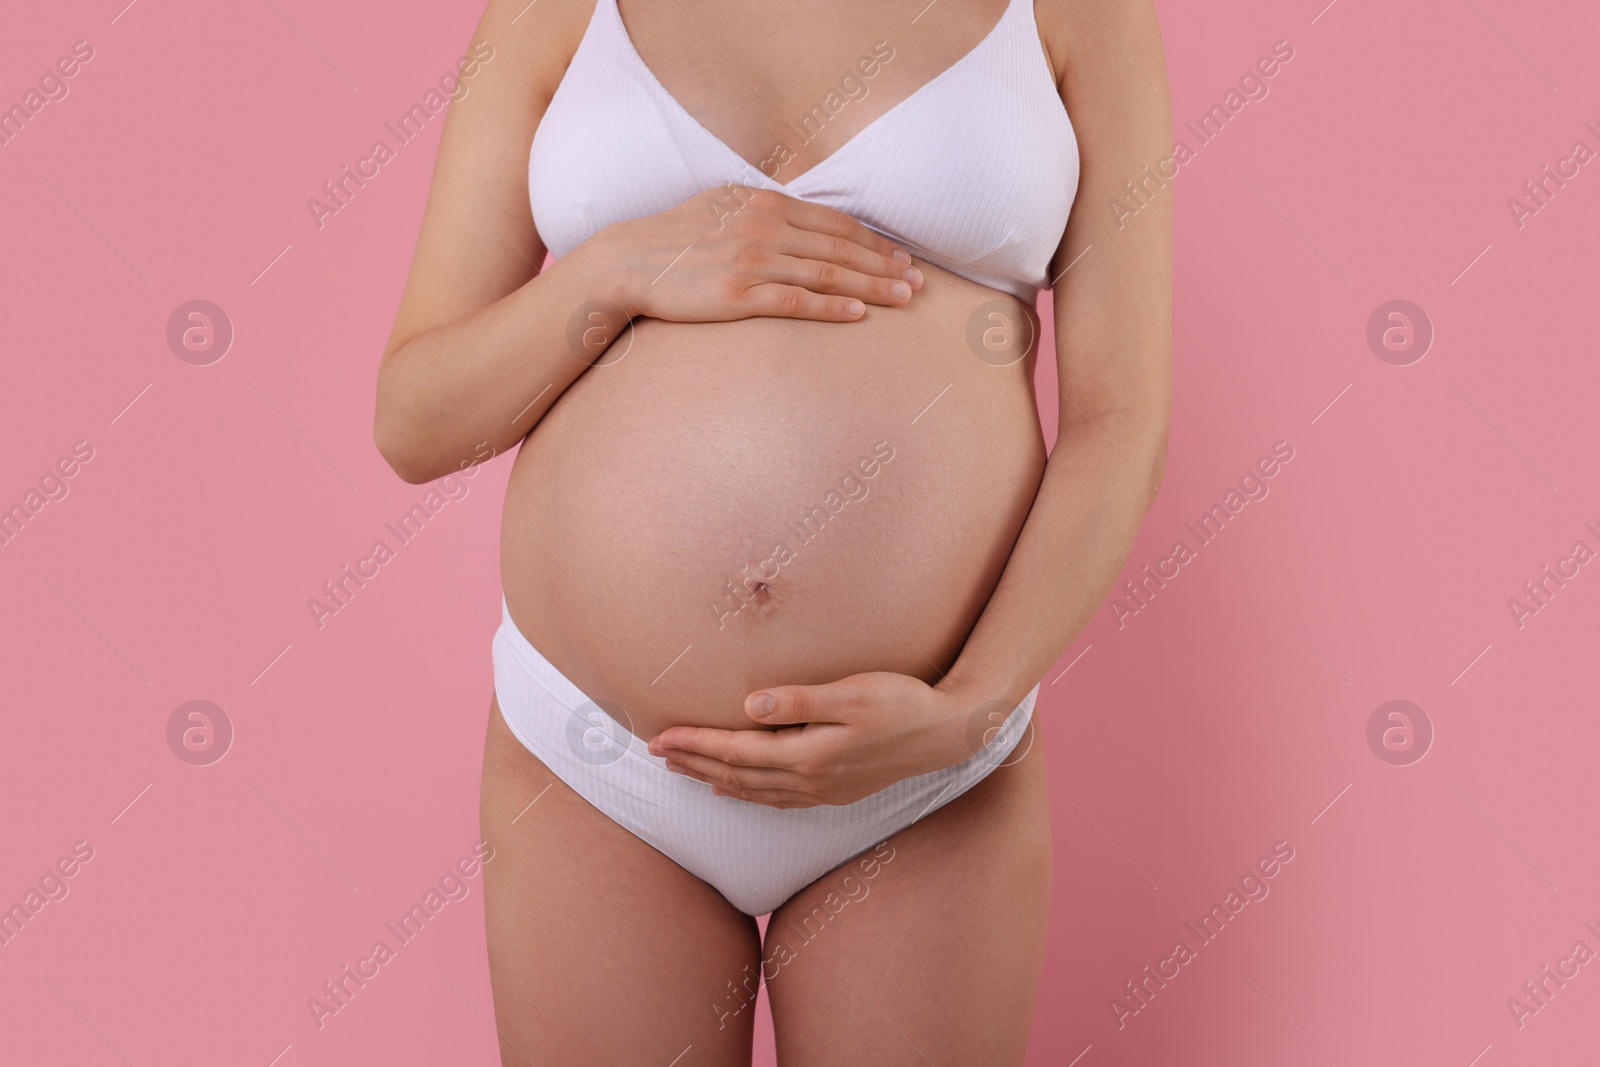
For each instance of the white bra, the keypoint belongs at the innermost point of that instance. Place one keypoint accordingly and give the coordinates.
(975, 171)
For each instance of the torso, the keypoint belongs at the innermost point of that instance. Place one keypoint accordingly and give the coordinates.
(794, 63)
(656, 546)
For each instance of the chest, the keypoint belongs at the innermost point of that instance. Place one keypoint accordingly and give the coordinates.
(960, 150)
(770, 79)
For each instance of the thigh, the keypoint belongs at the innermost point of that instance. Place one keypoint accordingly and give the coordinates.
(928, 948)
(601, 950)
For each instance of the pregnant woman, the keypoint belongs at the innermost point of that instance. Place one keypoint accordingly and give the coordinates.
(784, 557)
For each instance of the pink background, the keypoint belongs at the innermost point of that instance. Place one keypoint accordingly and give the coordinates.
(1225, 717)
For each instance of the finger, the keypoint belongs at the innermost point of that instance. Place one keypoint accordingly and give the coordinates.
(684, 738)
(773, 799)
(822, 219)
(807, 244)
(795, 302)
(793, 704)
(737, 748)
(715, 772)
(820, 276)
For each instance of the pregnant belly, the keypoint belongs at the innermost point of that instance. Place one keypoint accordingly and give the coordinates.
(735, 505)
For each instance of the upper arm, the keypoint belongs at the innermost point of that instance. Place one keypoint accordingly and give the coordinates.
(478, 242)
(1113, 308)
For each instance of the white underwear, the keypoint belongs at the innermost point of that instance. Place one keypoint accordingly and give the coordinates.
(754, 855)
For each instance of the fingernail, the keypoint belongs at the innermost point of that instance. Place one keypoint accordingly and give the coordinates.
(901, 290)
(855, 307)
(901, 255)
(763, 705)
(675, 768)
(914, 276)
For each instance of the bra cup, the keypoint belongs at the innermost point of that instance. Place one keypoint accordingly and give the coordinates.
(994, 210)
(976, 171)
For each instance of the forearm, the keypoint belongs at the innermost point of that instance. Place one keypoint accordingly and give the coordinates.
(1098, 484)
(487, 379)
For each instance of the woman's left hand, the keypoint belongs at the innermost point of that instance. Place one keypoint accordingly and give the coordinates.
(842, 741)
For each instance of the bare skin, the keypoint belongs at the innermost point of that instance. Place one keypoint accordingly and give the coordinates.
(601, 949)
(963, 906)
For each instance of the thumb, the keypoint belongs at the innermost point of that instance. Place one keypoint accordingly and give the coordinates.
(785, 705)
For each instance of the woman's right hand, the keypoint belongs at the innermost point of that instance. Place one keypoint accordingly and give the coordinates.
(735, 252)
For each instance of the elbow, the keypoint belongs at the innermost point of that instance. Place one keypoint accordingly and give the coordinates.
(1131, 438)
(397, 444)
(1158, 461)
(1150, 426)
(401, 461)
(397, 430)
(403, 435)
